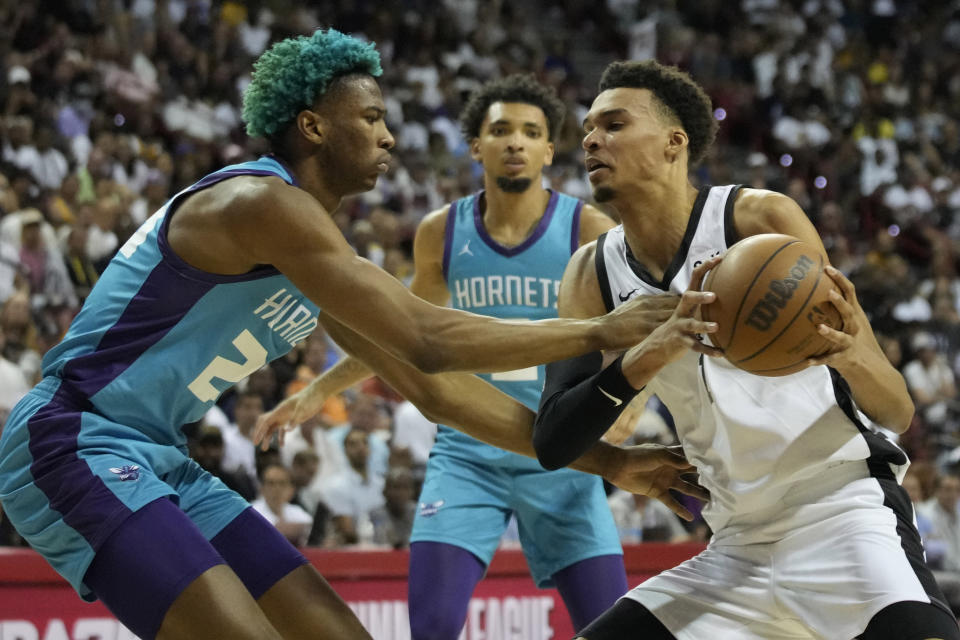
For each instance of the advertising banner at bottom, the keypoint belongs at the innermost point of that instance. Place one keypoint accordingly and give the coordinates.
(36, 604)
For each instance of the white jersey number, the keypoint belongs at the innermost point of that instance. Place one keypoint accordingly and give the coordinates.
(228, 370)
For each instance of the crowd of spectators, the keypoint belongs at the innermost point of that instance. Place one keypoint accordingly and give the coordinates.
(108, 107)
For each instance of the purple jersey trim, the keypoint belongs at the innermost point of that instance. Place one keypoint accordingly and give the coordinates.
(575, 228)
(136, 330)
(448, 236)
(80, 496)
(262, 271)
(512, 251)
(285, 167)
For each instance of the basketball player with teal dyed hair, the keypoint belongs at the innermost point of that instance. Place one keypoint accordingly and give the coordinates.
(228, 275)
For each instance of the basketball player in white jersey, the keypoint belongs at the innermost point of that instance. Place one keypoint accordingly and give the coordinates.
(813, 535)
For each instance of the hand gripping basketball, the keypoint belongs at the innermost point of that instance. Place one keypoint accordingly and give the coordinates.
(772, 295)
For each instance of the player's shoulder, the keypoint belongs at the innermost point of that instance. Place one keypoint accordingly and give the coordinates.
(762, 210)
(251, 195)
(580, 292)
(433, 226)
(759, 201)
(593, 223)
(583, 259)
(435, 220)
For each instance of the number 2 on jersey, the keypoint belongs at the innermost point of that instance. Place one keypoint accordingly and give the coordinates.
(228, 370)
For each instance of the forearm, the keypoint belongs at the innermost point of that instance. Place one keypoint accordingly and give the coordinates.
(463, 401)
(880, 392)
(577, 408)
(460, 400)
(343, 375)
(478, 344)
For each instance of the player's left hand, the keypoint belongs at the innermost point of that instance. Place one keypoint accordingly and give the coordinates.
(854, 342)
(652, 470)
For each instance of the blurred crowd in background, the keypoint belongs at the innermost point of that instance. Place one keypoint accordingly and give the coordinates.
(851, 107)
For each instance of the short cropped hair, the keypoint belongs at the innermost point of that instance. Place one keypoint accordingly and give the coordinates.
(513, 88)
(293, 73)
(679, 99)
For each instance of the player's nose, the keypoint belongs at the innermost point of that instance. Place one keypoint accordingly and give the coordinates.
(387, 141)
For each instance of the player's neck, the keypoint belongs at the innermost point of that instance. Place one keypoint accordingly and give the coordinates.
(655, 220)
(310, 179)
(510, 217)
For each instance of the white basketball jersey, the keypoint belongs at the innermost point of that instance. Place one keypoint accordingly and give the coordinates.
(752, 438)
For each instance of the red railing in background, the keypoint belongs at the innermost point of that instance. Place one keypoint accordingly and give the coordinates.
(36, 604)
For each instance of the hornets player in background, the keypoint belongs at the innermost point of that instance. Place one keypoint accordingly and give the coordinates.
(226, 276)
(501, 252)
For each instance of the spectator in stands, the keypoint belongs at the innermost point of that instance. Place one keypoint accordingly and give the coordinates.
(943, 512)
(393, 522)
(80, 269)
(239, 453)
(355, 492)
(13, 384)
(931, 382)
(366, 413)
(206, 447)
(22, 336)
(303, 471)
(274, 504)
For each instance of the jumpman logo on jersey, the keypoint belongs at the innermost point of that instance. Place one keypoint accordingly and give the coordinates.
(127, 472)
(466, 249)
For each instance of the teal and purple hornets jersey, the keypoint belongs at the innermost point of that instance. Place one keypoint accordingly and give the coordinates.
(155, 344)
(518, 282)
(158, 341)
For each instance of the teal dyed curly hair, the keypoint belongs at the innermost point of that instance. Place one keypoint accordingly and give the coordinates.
(294, 72)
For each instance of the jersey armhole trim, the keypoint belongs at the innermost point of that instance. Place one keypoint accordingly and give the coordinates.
(601, 265)
(575, 228)
(730, 234)
(448, 237)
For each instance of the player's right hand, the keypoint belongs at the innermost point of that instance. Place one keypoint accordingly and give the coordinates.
(653, 470)
(634, 320)
(287, 415)
(675, 336)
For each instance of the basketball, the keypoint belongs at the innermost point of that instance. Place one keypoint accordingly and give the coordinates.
(772, 292)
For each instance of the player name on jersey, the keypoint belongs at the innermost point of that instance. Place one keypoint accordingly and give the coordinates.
(500, 290)
(287, 316)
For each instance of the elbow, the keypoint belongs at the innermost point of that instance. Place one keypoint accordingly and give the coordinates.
(906, 417)
(429, 361)
(549, 455)
(423, 355)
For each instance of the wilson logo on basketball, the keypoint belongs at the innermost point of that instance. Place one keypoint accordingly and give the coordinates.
(766, 310)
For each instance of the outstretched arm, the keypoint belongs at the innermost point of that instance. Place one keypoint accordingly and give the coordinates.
(877, 387)
(477, 408)
(286, 227)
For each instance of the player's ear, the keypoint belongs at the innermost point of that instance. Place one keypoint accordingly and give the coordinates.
(310, 125)
(548, 155)
(677, 141)
(475, 149)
